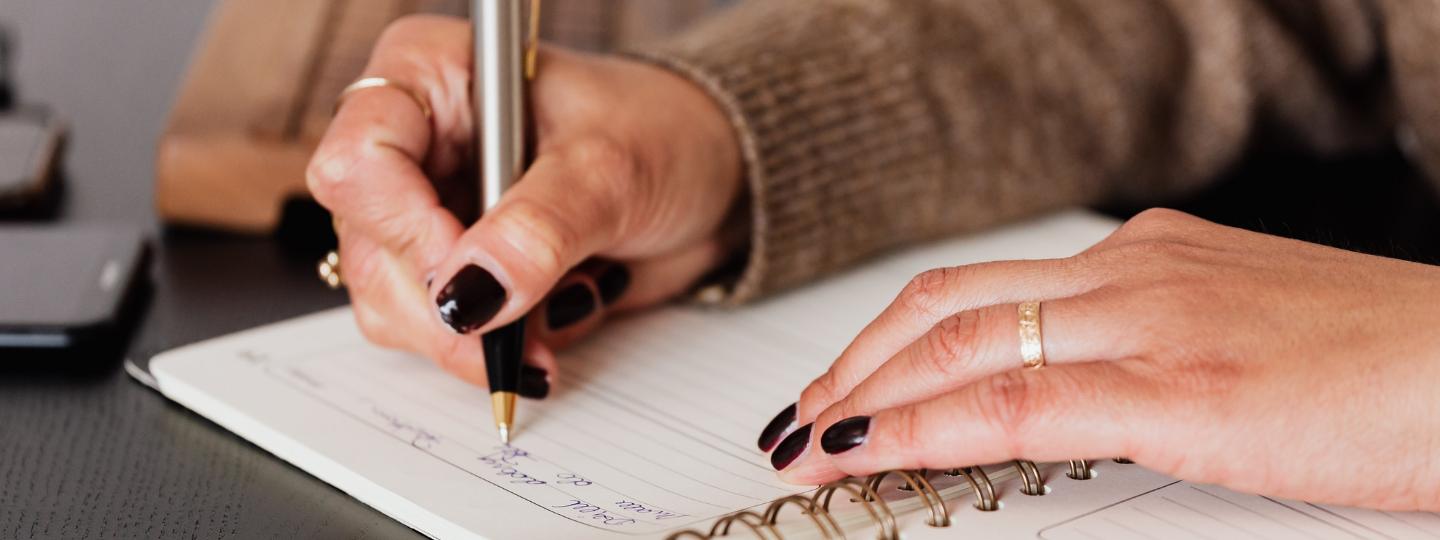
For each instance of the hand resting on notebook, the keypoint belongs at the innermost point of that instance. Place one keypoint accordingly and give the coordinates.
(636, 171)
(1209, 353)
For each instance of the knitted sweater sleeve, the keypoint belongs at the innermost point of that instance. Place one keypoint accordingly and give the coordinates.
(871, 124)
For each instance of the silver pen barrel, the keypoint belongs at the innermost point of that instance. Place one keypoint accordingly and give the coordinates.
(498, 95)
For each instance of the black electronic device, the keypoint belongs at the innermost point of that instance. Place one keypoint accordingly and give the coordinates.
(67, 288)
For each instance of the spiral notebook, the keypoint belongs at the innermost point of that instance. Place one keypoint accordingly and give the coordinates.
(649, 431)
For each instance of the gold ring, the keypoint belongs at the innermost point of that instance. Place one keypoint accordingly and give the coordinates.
(1032, 350)
(381, 82)
(329, 270)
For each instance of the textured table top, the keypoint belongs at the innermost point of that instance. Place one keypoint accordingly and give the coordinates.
(97, 455)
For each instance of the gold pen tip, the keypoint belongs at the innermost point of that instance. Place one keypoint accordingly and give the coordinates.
(504, 404)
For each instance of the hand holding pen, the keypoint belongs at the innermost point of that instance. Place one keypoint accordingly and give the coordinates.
(635, 173)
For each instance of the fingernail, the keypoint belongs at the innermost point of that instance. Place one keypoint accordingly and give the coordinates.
(534, 383)
(791, 448)
(471, 299)
(782, 422)
(612, 283)
(845, 434)
(570, 305)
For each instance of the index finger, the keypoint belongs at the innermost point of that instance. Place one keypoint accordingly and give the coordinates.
(369, 167)
(1077, 411)
(930, 298)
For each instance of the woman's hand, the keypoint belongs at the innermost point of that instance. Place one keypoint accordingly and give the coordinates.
(635, 166)
(1208, 353)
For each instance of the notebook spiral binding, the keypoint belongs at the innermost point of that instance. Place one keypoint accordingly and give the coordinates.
(866, 492)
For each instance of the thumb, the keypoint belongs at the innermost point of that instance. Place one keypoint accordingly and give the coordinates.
(558, 215)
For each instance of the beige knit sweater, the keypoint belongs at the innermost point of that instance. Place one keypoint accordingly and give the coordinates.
(869, 124)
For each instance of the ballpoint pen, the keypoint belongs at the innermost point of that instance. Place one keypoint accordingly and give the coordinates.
(504, 61)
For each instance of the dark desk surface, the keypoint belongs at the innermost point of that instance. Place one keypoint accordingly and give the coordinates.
(102, 456)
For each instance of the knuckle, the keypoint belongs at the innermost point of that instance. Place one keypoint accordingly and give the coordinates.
(952, 345)
(542, 233)
(1159, 217)
(903, 424)
(604, 160)
(1141, 225)
(926, 293)
(324, 175)
(1156, 222)
(906, 428)
(840, 410)
(401, 236)
(611, 187)
(1009, 402)
(820, 393)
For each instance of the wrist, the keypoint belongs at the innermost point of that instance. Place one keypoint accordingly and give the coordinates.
(707, 138)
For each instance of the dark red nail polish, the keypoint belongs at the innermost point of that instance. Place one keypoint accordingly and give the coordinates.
(783, 422)
(791, 448)
(470, 299)
(612, 283)
(534, 383)
(568, 306)
(845, 434)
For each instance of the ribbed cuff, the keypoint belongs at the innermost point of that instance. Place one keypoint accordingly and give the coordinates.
(841, 152)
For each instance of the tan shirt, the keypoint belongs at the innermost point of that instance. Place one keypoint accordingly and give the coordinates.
(870, 124)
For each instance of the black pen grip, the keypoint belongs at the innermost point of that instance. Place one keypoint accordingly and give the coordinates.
(504, 350)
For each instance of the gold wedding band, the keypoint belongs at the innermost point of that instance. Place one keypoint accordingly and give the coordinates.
(1032, 351)
(329, 270)
(381, 82)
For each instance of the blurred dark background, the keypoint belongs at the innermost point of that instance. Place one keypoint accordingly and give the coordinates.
(1375, 203)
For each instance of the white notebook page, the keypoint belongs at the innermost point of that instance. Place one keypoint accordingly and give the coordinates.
(650, 427)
